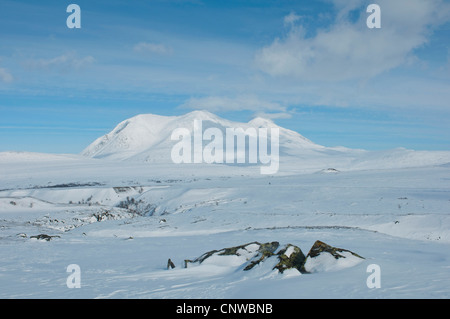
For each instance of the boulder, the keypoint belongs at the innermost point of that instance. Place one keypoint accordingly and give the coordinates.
(251, 254)
(44, 237)
(170, 264)
(264, 251)
(323, 257)
(290, 257)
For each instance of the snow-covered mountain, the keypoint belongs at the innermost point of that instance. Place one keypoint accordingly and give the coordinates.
(147, 138)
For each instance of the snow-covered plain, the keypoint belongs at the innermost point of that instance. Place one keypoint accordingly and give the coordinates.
(121, 220)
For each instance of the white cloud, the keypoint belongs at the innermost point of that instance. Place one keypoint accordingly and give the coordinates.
(226, 104)
(5, 76)
(62, 63)
(274, 116)
(291, 18)
(157, 48)
(349, 50)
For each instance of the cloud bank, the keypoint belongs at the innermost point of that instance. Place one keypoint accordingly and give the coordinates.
(348, 49)
(258, 106)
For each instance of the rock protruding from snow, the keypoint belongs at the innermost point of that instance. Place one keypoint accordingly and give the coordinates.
(250, 254)
(264, 251)
(290, 257)
(44, 237)
(170, 264)
(323, 257)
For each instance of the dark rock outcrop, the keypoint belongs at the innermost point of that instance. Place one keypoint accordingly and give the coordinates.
(320, 248)
(264, 250)
(289, 256)
(44, 237)
(170, 264)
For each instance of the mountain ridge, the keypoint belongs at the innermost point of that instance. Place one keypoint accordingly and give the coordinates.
(145, 133)
(147, 138)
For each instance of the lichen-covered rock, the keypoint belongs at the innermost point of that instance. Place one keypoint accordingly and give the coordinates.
(320, 247)
(251, 253)
(323, 257)
(264, 251)
(290, 257)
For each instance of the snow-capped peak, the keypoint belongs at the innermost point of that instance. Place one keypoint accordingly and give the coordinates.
(148, 136)
(201, 115)
(262, 122)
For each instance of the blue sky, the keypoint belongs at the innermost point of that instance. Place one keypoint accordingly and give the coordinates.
(311, 66)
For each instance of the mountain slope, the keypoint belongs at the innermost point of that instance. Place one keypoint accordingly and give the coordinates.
(147, 138)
